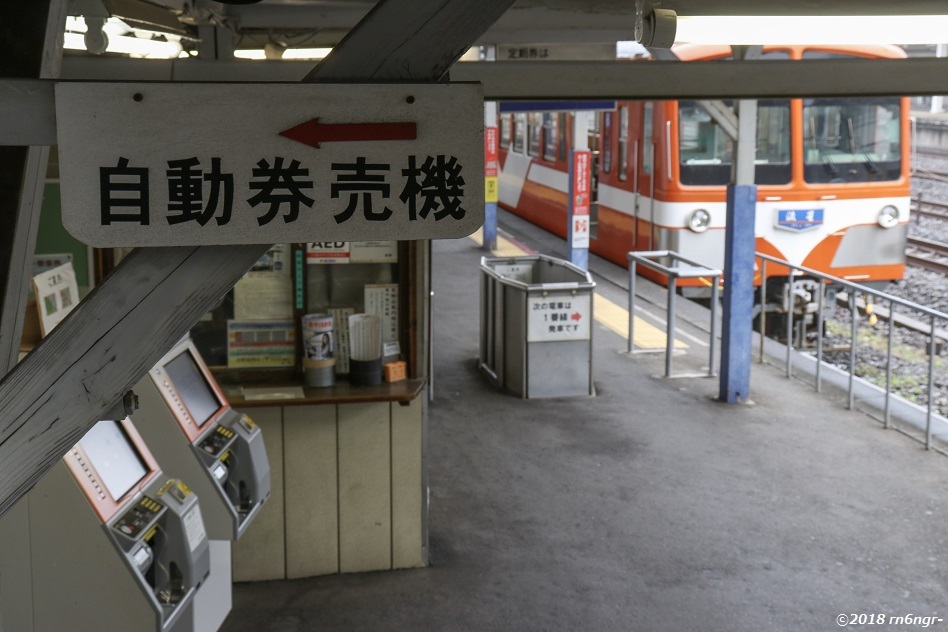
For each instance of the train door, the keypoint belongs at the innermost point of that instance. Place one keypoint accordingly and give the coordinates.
(646, 183)
(598, 131)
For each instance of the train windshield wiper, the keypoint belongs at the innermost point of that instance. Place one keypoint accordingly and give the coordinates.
(870, 163)
(824, 155)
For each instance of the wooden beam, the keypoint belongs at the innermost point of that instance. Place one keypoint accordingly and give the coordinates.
(411, 40)
(31, 45)
(115, 336)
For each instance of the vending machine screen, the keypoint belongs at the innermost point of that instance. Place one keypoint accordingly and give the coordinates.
(114, 457)
(192, 388)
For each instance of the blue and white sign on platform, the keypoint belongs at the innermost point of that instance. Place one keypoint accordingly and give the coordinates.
(800, 219)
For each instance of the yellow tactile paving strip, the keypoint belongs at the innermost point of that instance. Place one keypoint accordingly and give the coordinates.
(607, 313)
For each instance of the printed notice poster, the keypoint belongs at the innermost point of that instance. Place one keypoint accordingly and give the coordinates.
(580, 198)
(374, 252)
(266, 291)
(491, 162)
(556, 317)
(261, 343)
(57, 294)
(382, 301)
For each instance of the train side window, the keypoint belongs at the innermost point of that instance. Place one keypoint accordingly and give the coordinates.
(505, 124)
(607, 142)
(564, 129)
(647, 153)
(534, 128)
(592, 134)
(624, 142)
(520, 127)
(550, 136)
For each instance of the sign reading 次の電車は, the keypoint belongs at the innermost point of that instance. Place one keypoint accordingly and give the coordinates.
(202, 164)
(558, 316)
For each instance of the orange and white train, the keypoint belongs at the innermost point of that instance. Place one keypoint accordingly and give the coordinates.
(832, 175)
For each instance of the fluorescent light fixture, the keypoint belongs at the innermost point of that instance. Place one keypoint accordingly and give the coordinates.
(134, 46)
(813, 29)
(250, 53)
(122, 39)
(305, 53)
(289, 53)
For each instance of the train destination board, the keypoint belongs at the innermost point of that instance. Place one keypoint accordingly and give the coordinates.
(165, 164)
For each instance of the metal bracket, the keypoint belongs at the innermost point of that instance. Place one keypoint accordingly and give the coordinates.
(124, 408)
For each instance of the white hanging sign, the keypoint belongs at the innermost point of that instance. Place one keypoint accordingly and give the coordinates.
(161, 164)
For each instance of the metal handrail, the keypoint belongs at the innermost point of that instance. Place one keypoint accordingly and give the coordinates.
(695, 271)
(853, 288)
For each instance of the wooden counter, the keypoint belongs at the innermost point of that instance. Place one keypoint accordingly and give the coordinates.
(347, 480)
(288, 394)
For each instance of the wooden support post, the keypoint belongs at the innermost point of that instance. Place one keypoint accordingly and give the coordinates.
(115, 336)
(31, 43)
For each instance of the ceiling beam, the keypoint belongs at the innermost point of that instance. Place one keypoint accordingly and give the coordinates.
(707, 79)
(28, 106)
(551, 79)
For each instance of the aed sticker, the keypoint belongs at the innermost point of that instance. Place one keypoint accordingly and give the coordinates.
(194, 528)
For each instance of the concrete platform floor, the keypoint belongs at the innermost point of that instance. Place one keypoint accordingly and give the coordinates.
(649, 507)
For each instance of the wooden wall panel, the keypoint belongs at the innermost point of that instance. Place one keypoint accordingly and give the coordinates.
(365, 501)
(407, 486)
(312, 499)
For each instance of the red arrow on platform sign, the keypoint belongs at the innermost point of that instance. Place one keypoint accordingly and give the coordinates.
(313, 132)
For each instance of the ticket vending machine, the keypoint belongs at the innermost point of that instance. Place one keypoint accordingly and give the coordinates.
(191, 428)
(104, 541)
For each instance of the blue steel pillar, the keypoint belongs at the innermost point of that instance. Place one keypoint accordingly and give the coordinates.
(577, 248)
(490, 226)
(737, 324)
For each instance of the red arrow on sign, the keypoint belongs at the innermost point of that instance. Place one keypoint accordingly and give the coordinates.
(576, 316)
(313, 132)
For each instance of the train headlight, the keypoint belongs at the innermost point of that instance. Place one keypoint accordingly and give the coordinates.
(888, 216)
(699, 220)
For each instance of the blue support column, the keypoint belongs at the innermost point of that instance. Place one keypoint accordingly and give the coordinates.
(490, 225)
(737, 325)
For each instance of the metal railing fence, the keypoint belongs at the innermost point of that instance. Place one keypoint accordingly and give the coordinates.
(852, 290)
(674, 272)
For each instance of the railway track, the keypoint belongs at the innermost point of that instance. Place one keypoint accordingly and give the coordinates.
(934, 210)
(930, 174)
(928, 254)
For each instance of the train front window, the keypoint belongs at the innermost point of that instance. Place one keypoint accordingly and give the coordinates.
(706, 152)
(852, 140)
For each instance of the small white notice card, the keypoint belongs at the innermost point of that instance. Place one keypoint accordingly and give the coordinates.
(57, 294)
